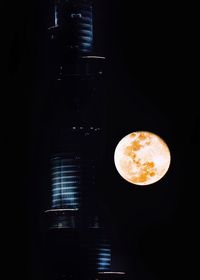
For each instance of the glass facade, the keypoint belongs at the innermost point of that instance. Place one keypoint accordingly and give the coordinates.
(65, 182)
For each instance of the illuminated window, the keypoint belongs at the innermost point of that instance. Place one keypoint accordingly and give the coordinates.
(65, 182)
(104, 258)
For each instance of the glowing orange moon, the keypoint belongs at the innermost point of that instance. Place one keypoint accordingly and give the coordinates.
(142, 158)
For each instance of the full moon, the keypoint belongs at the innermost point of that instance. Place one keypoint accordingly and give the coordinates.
(142, 158)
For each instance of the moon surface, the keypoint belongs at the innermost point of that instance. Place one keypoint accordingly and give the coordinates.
(142, 158)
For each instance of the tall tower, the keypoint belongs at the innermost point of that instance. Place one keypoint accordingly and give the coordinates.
(77, 241)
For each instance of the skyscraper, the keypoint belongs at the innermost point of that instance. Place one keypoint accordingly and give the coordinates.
(77, 241)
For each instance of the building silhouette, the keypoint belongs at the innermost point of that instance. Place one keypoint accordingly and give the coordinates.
(77, 237)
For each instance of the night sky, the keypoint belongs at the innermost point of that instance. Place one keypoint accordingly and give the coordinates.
(150, 84)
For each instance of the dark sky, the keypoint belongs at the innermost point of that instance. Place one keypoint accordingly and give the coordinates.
(150, 84)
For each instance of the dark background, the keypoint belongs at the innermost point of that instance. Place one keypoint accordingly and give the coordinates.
(150, 84)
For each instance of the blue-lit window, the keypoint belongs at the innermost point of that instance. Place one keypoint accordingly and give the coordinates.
(104, 258)
(65, 182)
